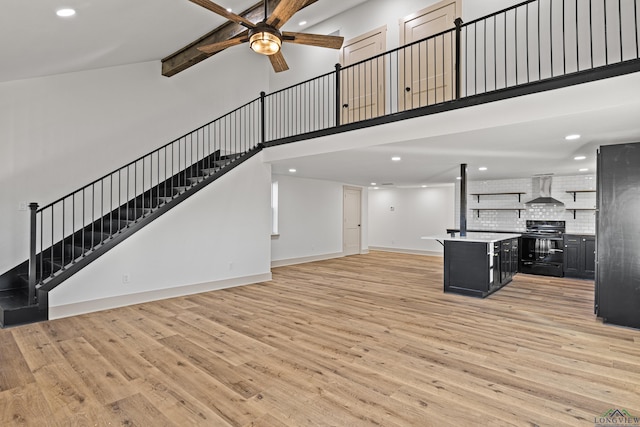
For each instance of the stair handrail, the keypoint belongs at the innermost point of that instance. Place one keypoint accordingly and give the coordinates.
(152, 152)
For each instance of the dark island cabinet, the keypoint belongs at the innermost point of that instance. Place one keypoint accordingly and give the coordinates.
(579, 256)
(479, 268)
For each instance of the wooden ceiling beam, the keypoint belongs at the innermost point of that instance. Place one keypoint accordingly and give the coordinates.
(190, 55)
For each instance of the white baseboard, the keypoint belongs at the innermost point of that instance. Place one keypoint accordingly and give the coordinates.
(83, 307)
(406, 251)
(302, 260)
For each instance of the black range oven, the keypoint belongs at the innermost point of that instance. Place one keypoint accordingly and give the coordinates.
(541, 249)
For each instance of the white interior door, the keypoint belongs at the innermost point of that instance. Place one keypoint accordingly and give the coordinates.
(362, 86)
(351, 233)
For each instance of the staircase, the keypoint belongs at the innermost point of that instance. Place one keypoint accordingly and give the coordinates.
(74, 231)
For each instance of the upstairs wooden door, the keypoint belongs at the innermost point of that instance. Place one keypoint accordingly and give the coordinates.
(426, 68)
(362, 86)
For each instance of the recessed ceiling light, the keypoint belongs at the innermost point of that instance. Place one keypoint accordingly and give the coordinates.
(229, 10)
(424, 186)
(396, 158)
(376, 188)
(572, 137)
(579, 157)
(292, 170)
(373, 183)
(458, 177)
(482, 168)
(583, 170)
(65, 13)
(301, 23)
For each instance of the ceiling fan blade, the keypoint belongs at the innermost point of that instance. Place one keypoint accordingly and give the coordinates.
(331, 42)
(278, 63)
(215, 8)
(217, 47)
(284, 11)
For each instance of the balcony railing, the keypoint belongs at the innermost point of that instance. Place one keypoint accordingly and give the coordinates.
(530, 42)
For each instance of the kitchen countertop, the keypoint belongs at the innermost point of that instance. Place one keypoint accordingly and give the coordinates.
(457, 230)
(474, 237)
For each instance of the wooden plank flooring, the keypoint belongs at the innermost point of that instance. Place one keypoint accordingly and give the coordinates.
(357, 341)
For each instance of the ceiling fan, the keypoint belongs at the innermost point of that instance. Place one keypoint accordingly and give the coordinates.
(265, 36)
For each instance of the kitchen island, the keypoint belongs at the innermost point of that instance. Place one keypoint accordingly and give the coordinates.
(478, 264)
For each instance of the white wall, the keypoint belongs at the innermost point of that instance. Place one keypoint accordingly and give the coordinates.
(220, 237)
(310, 220)
(398, 217)
(61, 132)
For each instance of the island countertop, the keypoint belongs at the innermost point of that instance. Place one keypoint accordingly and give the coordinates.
(473, 237)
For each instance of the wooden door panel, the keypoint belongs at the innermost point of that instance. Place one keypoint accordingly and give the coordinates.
(362, 85)
(426, 68)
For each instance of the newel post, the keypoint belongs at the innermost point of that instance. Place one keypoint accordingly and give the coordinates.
(458, 23)
(263, 126)
(33, 208)
(338, 107)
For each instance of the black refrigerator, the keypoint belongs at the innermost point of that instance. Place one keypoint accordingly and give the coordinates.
(617, 298)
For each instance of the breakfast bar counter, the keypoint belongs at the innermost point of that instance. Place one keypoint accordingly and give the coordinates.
(478, 264)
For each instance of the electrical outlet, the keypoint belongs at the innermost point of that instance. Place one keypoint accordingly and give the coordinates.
(22, 206)
(126, 279)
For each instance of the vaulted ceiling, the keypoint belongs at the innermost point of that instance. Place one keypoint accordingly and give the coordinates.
(34, 42)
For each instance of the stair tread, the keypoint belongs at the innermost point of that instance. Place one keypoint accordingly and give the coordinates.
(14, 298)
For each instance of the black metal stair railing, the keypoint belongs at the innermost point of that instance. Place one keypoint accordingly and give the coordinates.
(69, 232)
(531, 42)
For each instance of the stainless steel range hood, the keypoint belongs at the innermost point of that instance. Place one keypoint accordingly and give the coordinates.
(541, 190)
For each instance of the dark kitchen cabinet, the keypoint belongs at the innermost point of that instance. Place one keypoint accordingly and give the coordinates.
(589, 246)
(506, 254)
(579, 256)
(479, 268)
(618, 235)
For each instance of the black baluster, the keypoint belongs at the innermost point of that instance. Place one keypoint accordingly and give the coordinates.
(338, 105)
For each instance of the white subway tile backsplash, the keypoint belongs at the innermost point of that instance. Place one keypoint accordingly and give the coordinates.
(507, 220)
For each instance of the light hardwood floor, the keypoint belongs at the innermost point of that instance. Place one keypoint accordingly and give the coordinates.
(357, 341)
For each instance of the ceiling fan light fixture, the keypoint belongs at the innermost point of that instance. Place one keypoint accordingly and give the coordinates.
(265, 40)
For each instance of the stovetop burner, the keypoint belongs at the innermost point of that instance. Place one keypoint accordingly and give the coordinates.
(545, 229)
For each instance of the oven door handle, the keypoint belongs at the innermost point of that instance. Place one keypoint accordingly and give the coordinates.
(556, 250)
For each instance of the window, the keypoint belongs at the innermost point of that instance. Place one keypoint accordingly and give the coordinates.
(274, 208)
